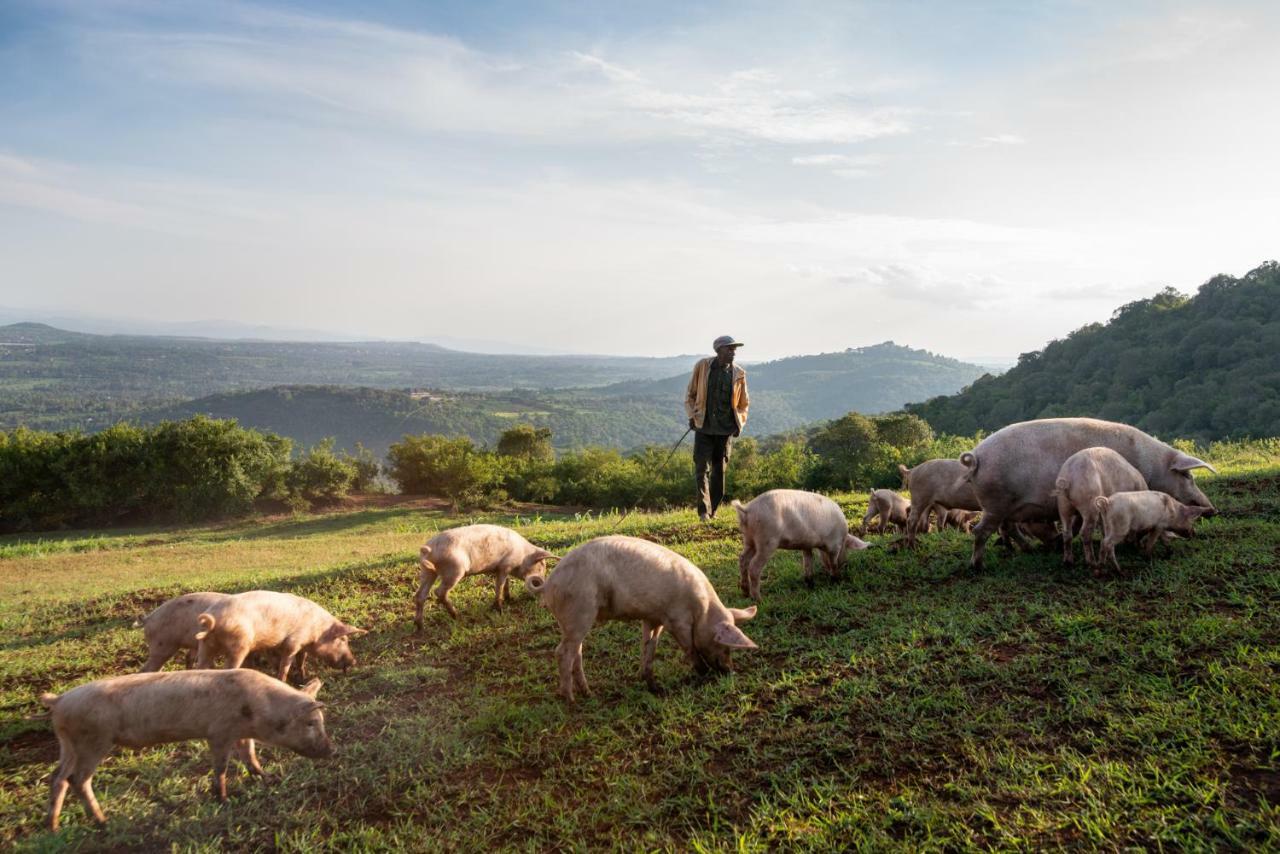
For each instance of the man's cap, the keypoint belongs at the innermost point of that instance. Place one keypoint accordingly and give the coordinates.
(725, 341)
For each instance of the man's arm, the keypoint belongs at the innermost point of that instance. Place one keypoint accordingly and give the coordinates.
(744, 404)
(691, 395)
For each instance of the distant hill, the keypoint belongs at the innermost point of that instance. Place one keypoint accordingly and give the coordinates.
(785, 395)
(801, 389)
(1205, 367)
(377, 417)
(53, 378)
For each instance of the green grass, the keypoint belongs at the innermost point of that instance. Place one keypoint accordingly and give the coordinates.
(910, 705)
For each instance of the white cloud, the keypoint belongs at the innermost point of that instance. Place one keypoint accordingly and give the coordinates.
(431, 83)
(1004, 139)
(921, 284)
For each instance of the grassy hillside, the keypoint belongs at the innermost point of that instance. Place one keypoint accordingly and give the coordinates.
(1205, 367)
(909, 705)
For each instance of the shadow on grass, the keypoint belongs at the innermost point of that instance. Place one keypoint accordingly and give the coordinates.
(93, 625)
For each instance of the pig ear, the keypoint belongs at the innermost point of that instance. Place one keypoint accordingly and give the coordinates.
(741, 615)
(353, 631)
(727, 634)
(1186, 462)
(852, 542)
(312, 688)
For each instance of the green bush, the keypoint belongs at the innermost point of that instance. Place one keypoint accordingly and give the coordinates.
(366, 468)
(452, 468)
(175, 471)
(320, 475)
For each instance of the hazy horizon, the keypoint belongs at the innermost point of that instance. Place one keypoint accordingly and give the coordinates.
(630, 180)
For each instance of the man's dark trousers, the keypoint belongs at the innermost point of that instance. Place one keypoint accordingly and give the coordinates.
(710, 457)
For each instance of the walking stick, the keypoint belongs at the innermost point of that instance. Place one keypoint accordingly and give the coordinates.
(645, 493)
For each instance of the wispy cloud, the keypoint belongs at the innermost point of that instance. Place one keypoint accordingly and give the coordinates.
(433, 83)
(842, 165)
(921, 284)
(1004, 139)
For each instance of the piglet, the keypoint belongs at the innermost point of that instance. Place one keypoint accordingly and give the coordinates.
(173, 626)
(626, 578)
(474, 550)
(791, 519)
(265, 620)
(1149, 514)
(227, 708)
(887, 508)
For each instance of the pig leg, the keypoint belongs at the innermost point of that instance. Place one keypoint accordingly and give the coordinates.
(1065, 515)
(1149, 543)
(744, 561)
(220, 750)
(1087, 522)
(913, 523)
(449, 576)
(573, 628)
(426, 579)
(683, 633)
(238, 650)
(81, 768)
(580, 675)
(830, 560)
(190, 658)
(756, 567)
(867, 517)
(499, 589)
(157, 656)
(649, 633)
(60, 783)
(567, 655)
(287, 655)
(981, 534)
(247, 754)
(806, 560)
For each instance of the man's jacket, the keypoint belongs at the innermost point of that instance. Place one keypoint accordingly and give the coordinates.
(695, 399)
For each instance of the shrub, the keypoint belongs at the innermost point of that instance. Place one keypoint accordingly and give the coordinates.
(319, 475)
(453, 468)
(178, 470)
(366, 469)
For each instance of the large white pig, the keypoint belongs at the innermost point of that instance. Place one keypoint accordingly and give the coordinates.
(1013, 471)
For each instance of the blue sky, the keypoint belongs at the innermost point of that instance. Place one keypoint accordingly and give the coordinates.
(974, 178)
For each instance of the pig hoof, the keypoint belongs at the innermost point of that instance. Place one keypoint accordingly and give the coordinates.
(808, 582)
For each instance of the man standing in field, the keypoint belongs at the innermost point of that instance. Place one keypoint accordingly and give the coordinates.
(716, 403)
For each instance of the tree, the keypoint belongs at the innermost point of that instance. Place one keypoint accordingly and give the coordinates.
(526, 442)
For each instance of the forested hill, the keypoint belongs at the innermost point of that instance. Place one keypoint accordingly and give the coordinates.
(1204, 367)
(802, 389)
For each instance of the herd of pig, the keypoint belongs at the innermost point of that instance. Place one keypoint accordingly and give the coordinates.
(1080, 473)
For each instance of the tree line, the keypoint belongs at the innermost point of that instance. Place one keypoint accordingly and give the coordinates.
(202, 468)
(1205, 368)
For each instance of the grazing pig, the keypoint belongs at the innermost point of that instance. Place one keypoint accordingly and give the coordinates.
(791, 519)
(265, 620)
(936, 486)
(1152, 515)
(888, 508)
(626, 578)
(228, 708)
(173, 626)
(1014, 470)
(473, 550)
(1083, 477)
